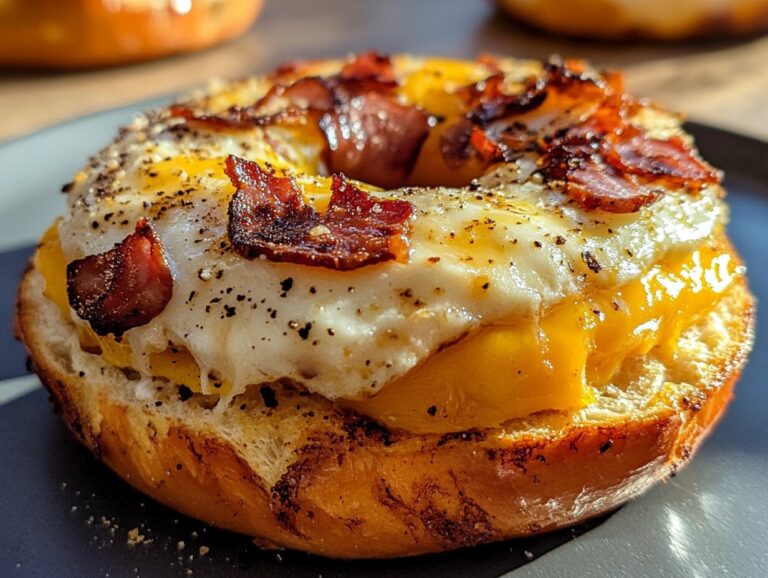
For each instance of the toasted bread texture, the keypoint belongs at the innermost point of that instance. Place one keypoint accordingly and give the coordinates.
(657, 19)
(294, 470)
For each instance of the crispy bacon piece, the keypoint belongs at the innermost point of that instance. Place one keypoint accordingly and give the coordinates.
(369, 135)
(607, 163)
(591, 182)
(455, 143)
(310, 93)
(370, 71)
(124, 287)
(589, 144)
(670, 159)
(306, 95)
(489, 109)
(237, 117)
(374, 139)
(268, 217)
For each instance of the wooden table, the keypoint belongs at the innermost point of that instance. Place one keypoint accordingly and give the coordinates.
(718, 82)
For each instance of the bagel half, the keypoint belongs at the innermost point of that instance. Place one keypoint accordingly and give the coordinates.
(303, 461)
(90, 33)
(656, 19)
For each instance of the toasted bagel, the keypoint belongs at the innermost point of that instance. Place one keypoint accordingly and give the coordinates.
(335, 484)
(545, 330)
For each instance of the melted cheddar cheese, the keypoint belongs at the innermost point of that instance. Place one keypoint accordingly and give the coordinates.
(503, 371)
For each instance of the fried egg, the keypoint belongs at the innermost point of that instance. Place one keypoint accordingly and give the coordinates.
(513, 298)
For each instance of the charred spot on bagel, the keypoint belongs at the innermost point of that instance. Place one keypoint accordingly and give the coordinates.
(362, 429)
(122, 288)
(472, 435)
(267, 216)
(310, 459)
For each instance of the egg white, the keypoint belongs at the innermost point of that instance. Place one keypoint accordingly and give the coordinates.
(508, 249)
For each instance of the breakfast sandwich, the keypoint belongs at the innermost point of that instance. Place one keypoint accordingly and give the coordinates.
(385, 306)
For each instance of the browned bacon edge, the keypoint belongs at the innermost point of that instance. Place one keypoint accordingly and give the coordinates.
(602, 161)
(360, 95)
(268, 217)
(122, 288)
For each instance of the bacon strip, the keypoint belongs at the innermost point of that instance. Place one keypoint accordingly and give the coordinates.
(307, 95)
(369, 135)
(370, 71)
(374, 139)
(124, 287)
(607, 163)
(268, 217)
(589, 145)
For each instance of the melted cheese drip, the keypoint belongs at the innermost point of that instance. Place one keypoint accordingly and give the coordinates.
(507, 370)
(525, 366)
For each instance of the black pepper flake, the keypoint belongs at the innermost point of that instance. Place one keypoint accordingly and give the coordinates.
(184, 393)
(331, 331)
(286, 284)
(269, 396)
(591, 262)
(95, 225)
(240, 297)
(606, 446)
(273, 314)
(537, 244)
(65, 188)
(432, 410)
(559, 240)
(304, 331)
(312, 290)
(230, 311)
(486, 285)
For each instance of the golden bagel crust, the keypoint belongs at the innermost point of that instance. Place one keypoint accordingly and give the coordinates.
(306, 475)
(621, 19)
(89, 33)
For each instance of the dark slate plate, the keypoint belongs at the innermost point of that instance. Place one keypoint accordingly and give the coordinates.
(63, 514)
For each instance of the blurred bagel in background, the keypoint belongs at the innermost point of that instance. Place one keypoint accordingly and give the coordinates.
(90, 33)
(657, 19)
